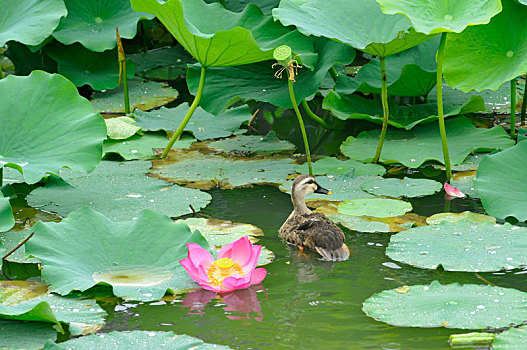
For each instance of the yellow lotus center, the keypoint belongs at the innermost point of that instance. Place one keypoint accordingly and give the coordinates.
(221, 269)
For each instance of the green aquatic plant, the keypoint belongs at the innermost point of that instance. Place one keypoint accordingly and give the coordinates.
(123, 77)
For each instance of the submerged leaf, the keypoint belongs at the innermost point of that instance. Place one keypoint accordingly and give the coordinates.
(463, 246)
(122, 260)
(453, 305)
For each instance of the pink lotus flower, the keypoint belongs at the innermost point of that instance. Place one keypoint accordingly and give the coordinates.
(452, 192)
(234, 269)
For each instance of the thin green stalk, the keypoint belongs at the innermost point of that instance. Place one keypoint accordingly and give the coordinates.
(1, 176)
(2, 76)
(313, 116)
(301, 122)
(189, 114)
(385, 111)
(125, 89)
(442, 129)
(513, 109)
(524, 103)
(334, 74)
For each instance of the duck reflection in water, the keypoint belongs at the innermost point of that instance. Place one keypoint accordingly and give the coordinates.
(239, 305)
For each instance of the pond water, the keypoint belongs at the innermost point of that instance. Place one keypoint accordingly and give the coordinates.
(304, 302)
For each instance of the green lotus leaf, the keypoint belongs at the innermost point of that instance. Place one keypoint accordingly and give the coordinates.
(143, 95)
(359, 23)
(454, 218)
(203, 125)
(145, 340)
(225, 38)
(30, 21)
(29, 301)
(219, 233)
(405, 187)
(240, 5)
(436, 16)
(224, 86)
(10, 240)
(43, 133)
(463, 139)
(513, 338)
(7, 220)
(471, 56)
(142, 146)
(93, 23)
(204, 171)
(167, 63)
(500, 182)
(376, 207)
(119, 247)
(343, 187)
(121, 128)
(15, 335)
(252, 144)
(100, 70)
(118, 189)
(11, 176)
(470, 163)
(453, 305)
(464, 246)
(409, 73)
(403, 117)
(335, 166)
(464, 181)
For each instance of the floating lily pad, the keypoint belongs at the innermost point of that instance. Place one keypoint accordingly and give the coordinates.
(11, 176)
(470, 163)
(121, 128)
(343, 187)
(334, 166)
(29, 301)
(454, 218)
(514, 338)
(453, 305)
(30, 21)
(15, 335)
(143, 96)
(122, 260)
(137, 339)
(204, 171)
(225, 38)
(413, 148)
(376, 207)
(7, 220)
(500, 181)
(100, 70)
(464, 181)
(359, 24)
(470, 57)
(142, 146)
(10, 240)
(220, 232)
(436, 16)
(166, 63)
(69, 133)
(224, 86)
(249, 144)
(404, 117)
(203, 125)
(463, 246)
(118, 189)
(93, 23)
(406, 187)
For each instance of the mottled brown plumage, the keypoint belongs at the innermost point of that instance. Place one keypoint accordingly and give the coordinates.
(312, 230)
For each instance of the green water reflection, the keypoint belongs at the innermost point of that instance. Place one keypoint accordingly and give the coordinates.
(304, 303)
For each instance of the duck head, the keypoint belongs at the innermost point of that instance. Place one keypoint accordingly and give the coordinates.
(302, 186)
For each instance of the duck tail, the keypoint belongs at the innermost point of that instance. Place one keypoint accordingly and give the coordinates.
(339, 254)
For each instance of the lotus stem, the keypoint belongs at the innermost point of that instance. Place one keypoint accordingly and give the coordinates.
(301, 122)
(524, 103)
(1, 72)
(125, 90)
(442, 129)
(1, 176)
(18, 246)
(122, 72)
(189, 114)
(334, 74)
(513, 108)
(315, 117)
(469, 338)
(385, 111)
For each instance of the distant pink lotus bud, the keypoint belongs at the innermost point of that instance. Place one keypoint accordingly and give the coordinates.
(452, 192)
(234, 269)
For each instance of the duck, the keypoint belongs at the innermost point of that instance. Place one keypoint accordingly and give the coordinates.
(314, 231)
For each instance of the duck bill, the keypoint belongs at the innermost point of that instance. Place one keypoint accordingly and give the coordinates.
(322, 190)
